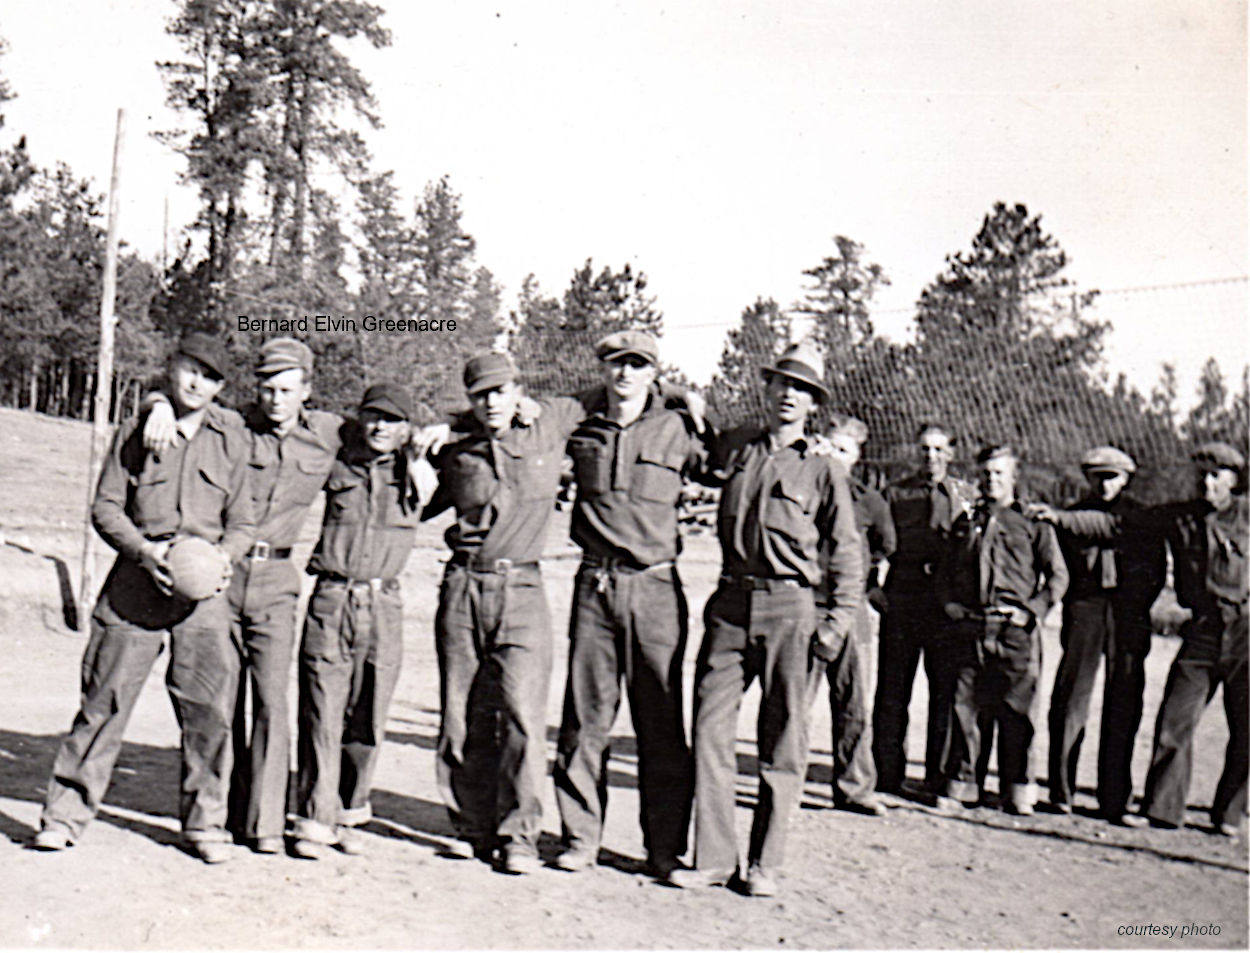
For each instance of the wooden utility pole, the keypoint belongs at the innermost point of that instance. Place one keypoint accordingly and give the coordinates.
(103, 382)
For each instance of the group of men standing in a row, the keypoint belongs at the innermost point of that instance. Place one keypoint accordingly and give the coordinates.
(964, 579)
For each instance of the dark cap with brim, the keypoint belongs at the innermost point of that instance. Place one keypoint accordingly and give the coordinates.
(283, 354)
(1108, 460)
(626, 343)
(488, 371)
(388, 398)
(1218, 455)
(207, 350)
(800, 362)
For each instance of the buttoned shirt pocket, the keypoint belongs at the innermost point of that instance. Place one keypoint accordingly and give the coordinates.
(308, 479)
(152, 492)
(346, 497)
(592, 465)
(213, 488)
(791, 503)
(656, 477)
(536, 477)
(261, 483)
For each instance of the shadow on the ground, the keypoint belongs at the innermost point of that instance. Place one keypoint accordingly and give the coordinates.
(65, 586)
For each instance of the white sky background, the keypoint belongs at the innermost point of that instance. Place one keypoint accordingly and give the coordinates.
(720, 145)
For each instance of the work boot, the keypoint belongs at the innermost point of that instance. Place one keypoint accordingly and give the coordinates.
(351, 841)
(267, 845)
(868, 806)
(691, 878)
(51, 839)
(308, 849)
(578, 858)
(520, 861)
(760, 884)
(211, 851)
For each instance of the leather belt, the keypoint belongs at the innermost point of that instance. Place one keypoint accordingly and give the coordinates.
(499, 566)
(615, 563)
(377, 585)
(262, 551)
(762, 583)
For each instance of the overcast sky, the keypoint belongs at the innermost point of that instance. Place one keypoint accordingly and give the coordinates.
(720, 145)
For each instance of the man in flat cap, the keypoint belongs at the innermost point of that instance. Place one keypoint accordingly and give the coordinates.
(923, 506)
(630, 456)
(999, 576)
(850, 673)
(292, 451)
(1209, 537)
(1106, 611)
(780, 504)
(350, 653)
(198, 487)
(493, 628)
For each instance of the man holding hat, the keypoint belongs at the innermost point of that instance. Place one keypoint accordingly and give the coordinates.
(350, 654)
(779, 505)
(1209, 537)
(199, 487)
(1106, 611)
(493, 628)
(630, 456)
(850, 673)
(998, 578)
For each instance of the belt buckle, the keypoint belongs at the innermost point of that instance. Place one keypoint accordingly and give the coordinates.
(260, 550)
(376, 584)
(502, 566)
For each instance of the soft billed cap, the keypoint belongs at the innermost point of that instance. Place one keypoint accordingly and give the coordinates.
(284, 354)
(207, 350)
(487, 371)
(623, 343)
(388, 398)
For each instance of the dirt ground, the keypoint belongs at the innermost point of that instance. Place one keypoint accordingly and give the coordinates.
(911, 879)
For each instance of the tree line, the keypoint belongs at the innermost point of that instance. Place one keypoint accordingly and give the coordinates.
(295, 218)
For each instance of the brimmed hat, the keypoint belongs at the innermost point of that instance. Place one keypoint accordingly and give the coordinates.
(1219, 456)
(389, 398)
(207, 350)
(802, 363)
(489, 370)
(284, 354)
(1108, 460)
(638, 343)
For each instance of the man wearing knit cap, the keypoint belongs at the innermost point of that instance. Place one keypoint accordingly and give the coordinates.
(292, 451)
(493, 628)
(850, 673)
(997, 580)
(1106, 612)
(628, 622)
(779, 504)
(1209, 537)
(350, 653)
(198, 487)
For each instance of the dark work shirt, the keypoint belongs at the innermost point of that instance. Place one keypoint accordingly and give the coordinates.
(503, 489)
(289, 471)
(629, 482)
(199, 487)
(923, 514)
(371, 516)
(1131, 567)
(997, 556)
(779, 508)
(1209, 548)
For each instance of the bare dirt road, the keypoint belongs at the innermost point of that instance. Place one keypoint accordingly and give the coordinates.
(912, 879)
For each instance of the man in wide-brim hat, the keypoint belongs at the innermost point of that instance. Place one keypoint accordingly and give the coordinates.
(779, 504)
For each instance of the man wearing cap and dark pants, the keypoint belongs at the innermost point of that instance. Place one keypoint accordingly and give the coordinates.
(293, 450)
(629, 612)
(923, 507)
(493, 628)
(1209, 537)
(1106, 611)
(1000, 575)
(143, 500)
(849, 675)
(779, 505)
(350, 654)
